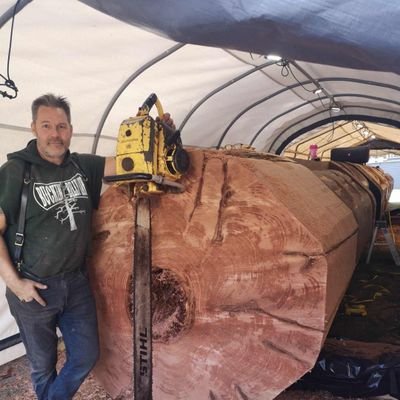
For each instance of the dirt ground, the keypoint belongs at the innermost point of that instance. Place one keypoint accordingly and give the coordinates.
(15, 385)
(367, 325)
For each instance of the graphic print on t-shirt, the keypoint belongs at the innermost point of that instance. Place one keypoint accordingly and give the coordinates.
(62, 197)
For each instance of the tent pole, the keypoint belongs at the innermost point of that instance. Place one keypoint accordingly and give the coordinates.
(219, 88)
(338, 95)
(125, 85)
(10, 12)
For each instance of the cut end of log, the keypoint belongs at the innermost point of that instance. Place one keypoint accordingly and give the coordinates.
(173, 305)
(249, 266)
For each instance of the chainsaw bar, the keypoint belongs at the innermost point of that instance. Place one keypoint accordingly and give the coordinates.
(142, 338)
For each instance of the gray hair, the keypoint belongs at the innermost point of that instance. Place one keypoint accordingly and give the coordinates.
(50, 100)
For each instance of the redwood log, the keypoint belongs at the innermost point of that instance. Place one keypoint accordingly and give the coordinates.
(249, 266)
(378, 183)
(352, 188)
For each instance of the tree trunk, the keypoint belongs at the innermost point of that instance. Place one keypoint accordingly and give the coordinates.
(249, 266)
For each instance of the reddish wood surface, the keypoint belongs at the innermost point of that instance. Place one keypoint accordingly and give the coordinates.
(351, 186)
(249, 266)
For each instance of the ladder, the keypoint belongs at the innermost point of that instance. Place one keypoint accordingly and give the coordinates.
(381, 225)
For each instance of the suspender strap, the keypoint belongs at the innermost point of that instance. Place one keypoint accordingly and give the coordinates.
(77, 166)
(19, 235)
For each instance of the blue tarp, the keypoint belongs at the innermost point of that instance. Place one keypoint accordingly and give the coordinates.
(348, 33)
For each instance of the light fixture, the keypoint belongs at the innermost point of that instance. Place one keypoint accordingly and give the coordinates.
(318, 91)
(273, 57)
(335, 108)
(365, 132)
(373, 137)
(358, 125)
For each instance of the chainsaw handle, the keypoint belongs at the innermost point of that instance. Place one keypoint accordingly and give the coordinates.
(149, 103)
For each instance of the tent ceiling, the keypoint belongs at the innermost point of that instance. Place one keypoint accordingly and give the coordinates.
(217, 82)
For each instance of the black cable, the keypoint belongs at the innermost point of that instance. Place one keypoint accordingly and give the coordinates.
(324, 106)
(296, 79)
(332, 134)
(8, 82)
(285, 70)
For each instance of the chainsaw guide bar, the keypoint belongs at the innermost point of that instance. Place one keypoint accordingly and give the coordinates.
(142, 338)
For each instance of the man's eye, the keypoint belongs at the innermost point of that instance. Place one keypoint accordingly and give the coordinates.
(62, 126)
(46, 126)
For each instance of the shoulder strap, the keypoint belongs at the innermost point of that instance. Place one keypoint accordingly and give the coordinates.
(19, 235)
(78, 167)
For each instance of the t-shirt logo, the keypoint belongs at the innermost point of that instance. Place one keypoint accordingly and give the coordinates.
(62, 196)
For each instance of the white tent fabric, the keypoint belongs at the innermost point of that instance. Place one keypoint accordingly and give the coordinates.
(106, 57)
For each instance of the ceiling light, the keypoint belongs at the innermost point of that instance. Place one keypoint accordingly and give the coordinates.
(358, 125)
(373, 137)
(318, 91)
(274, 57)
(335, 108)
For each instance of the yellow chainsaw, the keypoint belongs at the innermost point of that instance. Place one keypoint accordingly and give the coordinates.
(151, 158)
(149, 152)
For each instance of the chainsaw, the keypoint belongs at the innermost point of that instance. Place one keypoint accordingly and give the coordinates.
(149, 157)
(149, 152)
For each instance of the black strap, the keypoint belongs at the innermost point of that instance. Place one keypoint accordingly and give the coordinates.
(19, 235)
(78, 167)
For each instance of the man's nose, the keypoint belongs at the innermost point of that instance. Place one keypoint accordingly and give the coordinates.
(54, 131)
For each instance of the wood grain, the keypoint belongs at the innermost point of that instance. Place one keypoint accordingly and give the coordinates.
(249, 266)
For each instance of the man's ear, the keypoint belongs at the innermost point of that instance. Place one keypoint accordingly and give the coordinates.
(33, 128)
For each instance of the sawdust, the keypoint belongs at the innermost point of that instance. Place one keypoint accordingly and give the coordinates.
(15, 384)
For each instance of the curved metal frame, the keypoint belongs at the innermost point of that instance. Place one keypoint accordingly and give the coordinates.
(299, 84)
(347, 117)
(138, 72)
(219, 88)
(285, 89)
(316, 100)
(362, 140)
(323, 134)
(10, 12)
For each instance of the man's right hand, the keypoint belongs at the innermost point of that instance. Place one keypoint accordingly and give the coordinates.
(26, 290)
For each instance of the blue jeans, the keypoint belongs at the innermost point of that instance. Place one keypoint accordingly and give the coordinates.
(71, 307)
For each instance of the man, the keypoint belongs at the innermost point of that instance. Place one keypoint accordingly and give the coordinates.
(51, 288)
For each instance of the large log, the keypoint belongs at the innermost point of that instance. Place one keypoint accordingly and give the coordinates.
(351, 185)
(249, 266)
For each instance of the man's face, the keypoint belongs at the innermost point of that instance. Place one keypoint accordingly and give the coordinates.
(53, 133)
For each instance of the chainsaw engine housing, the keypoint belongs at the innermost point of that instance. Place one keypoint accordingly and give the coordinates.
(146, 148)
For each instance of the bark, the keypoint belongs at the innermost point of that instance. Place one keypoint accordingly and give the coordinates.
(249, 266)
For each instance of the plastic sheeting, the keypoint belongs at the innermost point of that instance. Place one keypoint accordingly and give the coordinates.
(351, 376)
(344, 33)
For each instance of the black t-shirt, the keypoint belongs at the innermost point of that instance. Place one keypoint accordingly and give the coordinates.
(58, 216)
